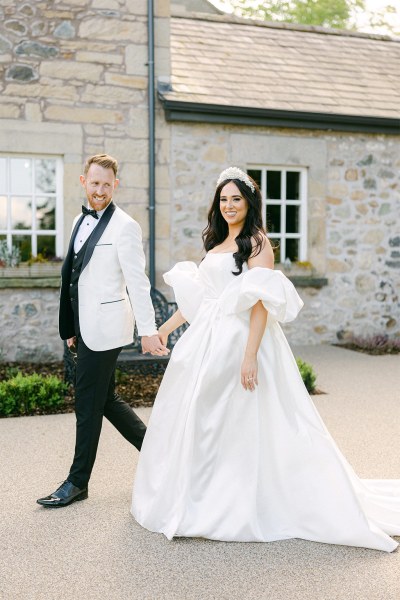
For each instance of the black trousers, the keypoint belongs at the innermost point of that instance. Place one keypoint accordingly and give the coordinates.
(95, 397)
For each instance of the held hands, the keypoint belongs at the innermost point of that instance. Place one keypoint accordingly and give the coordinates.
(249, 372)
(157, 344)
(154, 345)
(163, 335)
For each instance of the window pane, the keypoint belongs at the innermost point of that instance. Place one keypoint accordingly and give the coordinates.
(45, 176)
(3, 212)
(256, 175)
(21, 176)
(46, 245)
(24, 243)
(277, 248)
(46, 213)
(274, 185)
(3, 180)
(292, 185)
(274, 218)
(292, 250)
(21, 213)
(292, 219)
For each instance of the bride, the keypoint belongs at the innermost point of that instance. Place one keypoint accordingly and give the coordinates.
(235, 449)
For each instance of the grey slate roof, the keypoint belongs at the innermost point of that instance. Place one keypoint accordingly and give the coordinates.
(236, 62)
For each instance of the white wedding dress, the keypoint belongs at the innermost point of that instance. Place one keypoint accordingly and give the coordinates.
(223, 463)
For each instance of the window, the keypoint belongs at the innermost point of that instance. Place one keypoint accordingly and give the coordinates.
(283, 191)
(31, 204)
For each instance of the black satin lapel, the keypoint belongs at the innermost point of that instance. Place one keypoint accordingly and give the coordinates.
(97, 233)
(67, 260)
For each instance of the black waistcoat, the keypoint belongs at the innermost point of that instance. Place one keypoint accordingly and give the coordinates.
(76, 268)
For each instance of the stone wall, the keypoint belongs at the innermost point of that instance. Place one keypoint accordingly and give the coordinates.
(78, 69)
(29, 325)
(353, 216)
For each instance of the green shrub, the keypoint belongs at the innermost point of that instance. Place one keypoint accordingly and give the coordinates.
(121, 377)
(24, 394)
(307, 374)
(11, 372)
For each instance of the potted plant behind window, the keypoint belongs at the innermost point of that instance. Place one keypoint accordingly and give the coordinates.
(37, 267)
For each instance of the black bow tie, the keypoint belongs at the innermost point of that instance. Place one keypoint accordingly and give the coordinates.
(87, 211)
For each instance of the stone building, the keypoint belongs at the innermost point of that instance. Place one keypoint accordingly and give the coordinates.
(312, 114)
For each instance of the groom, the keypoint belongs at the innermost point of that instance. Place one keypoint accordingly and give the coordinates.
(104, 289)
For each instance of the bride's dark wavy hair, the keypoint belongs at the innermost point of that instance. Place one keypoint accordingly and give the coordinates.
(216, 230)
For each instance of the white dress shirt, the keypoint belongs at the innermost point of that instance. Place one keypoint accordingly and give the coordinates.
(85, 229)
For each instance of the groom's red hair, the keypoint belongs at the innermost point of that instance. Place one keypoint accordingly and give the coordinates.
(104, 160)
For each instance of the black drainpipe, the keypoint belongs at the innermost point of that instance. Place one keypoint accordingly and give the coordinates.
(152, 199)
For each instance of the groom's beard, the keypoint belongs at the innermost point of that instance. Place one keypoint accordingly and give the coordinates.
(98, 203)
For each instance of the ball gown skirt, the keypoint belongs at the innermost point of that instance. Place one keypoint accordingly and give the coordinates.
(223, 463)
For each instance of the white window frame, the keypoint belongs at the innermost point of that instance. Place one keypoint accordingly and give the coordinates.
(301, 202)
(59, 215)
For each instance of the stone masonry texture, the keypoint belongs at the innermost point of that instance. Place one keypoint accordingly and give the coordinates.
(353, 218)
(29, 325)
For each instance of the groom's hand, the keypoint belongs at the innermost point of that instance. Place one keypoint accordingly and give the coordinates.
(153, 345)
(71, 342)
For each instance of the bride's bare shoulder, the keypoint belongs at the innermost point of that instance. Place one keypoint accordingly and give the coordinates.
(263, 253)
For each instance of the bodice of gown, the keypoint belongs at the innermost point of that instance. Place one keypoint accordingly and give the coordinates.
(216, 273)
(214, 280)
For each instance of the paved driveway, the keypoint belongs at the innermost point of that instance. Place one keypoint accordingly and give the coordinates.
(94, 549)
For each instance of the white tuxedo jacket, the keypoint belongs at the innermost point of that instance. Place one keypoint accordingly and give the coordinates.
(113, 289)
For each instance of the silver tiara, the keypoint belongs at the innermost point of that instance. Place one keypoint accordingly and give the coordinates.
(236, 173)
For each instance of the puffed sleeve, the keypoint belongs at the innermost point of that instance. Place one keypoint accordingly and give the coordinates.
(276, 292)
(185, 280)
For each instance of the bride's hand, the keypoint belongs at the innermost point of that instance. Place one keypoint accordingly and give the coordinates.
(163, 335)
(249, 372)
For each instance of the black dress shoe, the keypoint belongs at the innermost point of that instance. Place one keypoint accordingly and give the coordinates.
(64, 495)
